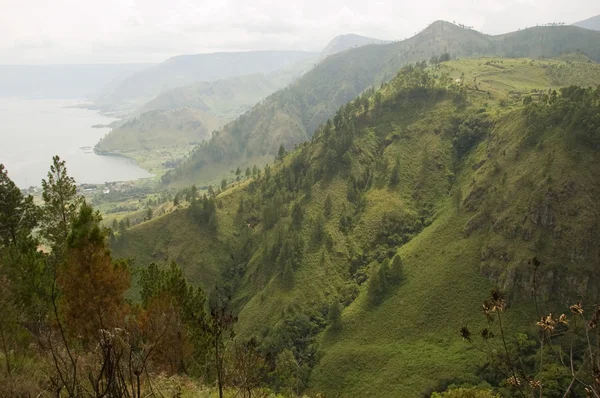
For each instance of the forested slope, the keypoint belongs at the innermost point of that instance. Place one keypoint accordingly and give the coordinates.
(289, 116)
(401, 213)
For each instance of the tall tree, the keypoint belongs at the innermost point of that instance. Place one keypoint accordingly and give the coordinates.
(395, 176)
(219, 325)
(328, 207)
(61, 204)
(18, 214)
(335, 315)
(94, 299)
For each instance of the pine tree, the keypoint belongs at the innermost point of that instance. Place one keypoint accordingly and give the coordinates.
(61, 205)
(281, 153)
(288, 274)
(457, 198)
(328, 207)
(335, 315)
(297, 215)
(18, 213)
(95, 297)
(395, 176)
(397, 270)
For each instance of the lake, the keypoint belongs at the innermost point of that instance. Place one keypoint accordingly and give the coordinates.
(32, 131)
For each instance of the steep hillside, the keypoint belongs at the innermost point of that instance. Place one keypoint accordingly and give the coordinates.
(464, 170)
(289, 116)
(225, 98)
(187, 69)
(159, 129)
(345, 42)
(592, 23)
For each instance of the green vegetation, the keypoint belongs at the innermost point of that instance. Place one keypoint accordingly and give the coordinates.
(159, 130)
(290, 116)
(184, 70)
(365, 215)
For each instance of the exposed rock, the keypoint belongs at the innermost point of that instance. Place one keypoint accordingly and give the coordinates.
(474, 199)
(476, 222)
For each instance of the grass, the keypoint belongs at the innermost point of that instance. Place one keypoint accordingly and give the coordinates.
(410, 342)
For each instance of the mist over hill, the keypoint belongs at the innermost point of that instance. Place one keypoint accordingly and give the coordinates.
(347, 41)
(81, 82)
(592, 23)
(289, 116)
(187, 69)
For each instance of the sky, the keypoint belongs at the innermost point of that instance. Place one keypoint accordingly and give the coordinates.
(119, 31)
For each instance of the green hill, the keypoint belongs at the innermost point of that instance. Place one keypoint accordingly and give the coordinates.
(465, 169)
(289, 116)
(188, 69)
(160, 129)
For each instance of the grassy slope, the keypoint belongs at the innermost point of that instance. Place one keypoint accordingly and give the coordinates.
(158, 129)
(410, 341)
(187, 69)
(290, 116)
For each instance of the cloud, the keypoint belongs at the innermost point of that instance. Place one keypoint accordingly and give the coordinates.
(78, 31)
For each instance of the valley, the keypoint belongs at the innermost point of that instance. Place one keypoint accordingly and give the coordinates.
(380, 218)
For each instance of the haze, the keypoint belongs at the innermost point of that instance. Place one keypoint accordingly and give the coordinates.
(111, 31)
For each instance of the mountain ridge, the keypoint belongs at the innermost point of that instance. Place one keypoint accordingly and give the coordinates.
(592, 23)
(187, 69)
(288, 116)
(465, 169)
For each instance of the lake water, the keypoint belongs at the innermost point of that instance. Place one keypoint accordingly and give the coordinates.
(32, 131)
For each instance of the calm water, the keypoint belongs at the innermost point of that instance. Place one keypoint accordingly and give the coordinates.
(32, 131)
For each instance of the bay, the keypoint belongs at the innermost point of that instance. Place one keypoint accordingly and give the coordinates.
(34, 130)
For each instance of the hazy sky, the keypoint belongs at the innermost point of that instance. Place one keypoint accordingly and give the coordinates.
(85, 31)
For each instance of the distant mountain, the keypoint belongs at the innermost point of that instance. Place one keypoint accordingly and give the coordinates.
(160, 129)
(62, 81)
(188, 69)
(289, 116)
(227, 98)
(592, 23)
(345, 42)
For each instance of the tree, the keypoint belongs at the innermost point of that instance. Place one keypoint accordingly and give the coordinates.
(61, 205)
(18, 214)
(395, 176)
(335, 315)
(248, 367)
(223, 184)
(176, 200)
(457, 198)
(288, 274)
(396, 269)
(238, 171)
(377, 287)
(318, 234)
(297, 215)
(94, 299)
(219, 326)
(281, 153)
(248, 172)
(328, 207)
(149, 214)
(165, 292)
